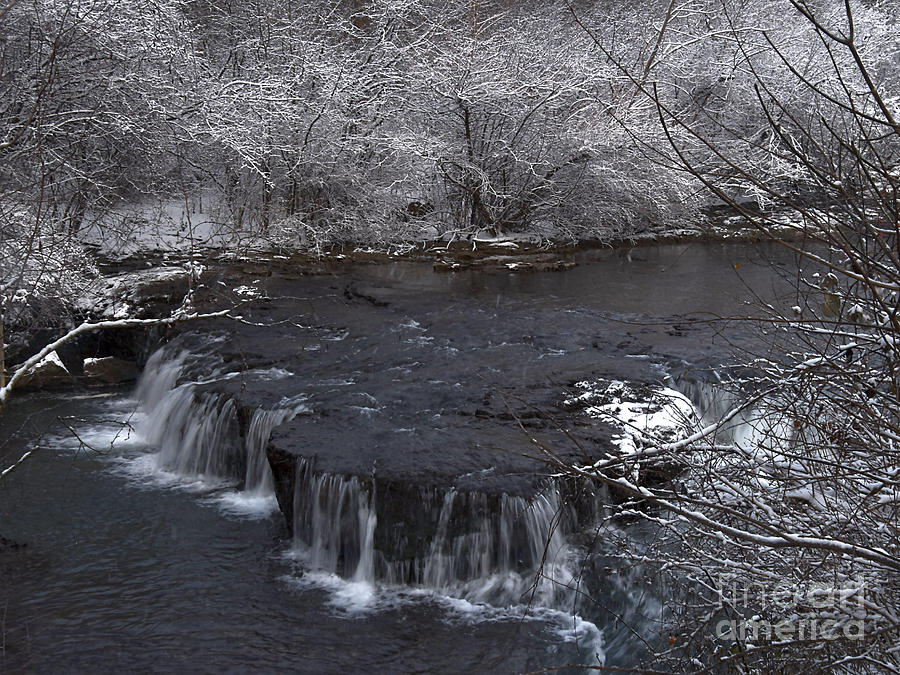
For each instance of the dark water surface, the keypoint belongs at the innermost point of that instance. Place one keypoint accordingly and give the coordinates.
(124, 570)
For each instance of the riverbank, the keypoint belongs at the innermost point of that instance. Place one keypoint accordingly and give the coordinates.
(504, 254)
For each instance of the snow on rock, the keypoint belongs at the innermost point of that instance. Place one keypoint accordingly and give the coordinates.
(49, 370)
(51, 363)
(642, 414)
(110, 370)
(246, 292)
(506, 240)
(123, 295)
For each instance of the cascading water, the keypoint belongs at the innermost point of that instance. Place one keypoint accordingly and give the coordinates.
(758, 427)
(258, 477)
(197, 431)
(500, 550)
(334, 523)
(712, 398)
(160, 376)
(496, 550)
(197, 434)
(708, 395)
(517, 555)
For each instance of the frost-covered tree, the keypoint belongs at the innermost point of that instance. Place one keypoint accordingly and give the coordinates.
(779, 526)
(383, 120)
(304, 115)
(526, 135)
(93, 102)
(94, 97)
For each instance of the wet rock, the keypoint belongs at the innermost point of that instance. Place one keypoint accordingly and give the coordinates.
(142, 293)
(506, 264)
(353, 292)
(110, 370)
(10, 545)
(284, 473)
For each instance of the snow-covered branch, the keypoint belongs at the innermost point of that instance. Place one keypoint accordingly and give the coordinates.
(87, 327)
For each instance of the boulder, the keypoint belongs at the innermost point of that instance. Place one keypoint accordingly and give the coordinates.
(48, 372)
(110, 370)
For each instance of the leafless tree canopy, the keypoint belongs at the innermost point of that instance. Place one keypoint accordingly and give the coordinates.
(780, 528)
(306, 124)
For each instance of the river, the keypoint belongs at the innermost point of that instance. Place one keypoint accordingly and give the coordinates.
(133, 556)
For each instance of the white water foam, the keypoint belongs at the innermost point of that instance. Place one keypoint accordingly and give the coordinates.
(357, 599)
(185, 437)
(245, 505)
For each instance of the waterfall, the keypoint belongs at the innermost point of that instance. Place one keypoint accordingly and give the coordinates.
(707, 393)
(365, 568)
(334, 523)
(501, 550)
(514, 556)
(197, 434)
(258, 478)
(197, 431)
(712, 399)
(159, 377)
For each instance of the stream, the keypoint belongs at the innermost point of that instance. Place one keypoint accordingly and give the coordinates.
(405, 529)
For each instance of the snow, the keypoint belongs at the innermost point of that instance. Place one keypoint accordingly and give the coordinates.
(117, 297)
(160, 224)
(887, 340)
(246, 291)
(641, 415)
(51, 361)
(511, 240)
(811, 363)
(808, 495)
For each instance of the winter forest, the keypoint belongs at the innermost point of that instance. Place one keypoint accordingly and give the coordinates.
(566, 331)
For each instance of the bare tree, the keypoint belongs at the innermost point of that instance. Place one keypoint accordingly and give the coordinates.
(523, 141)
(92, 107)
(780, 522)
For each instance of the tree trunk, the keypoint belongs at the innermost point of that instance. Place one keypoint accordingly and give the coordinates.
(2, 351)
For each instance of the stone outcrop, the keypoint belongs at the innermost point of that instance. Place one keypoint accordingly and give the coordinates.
(48, 373)
(110, 370)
